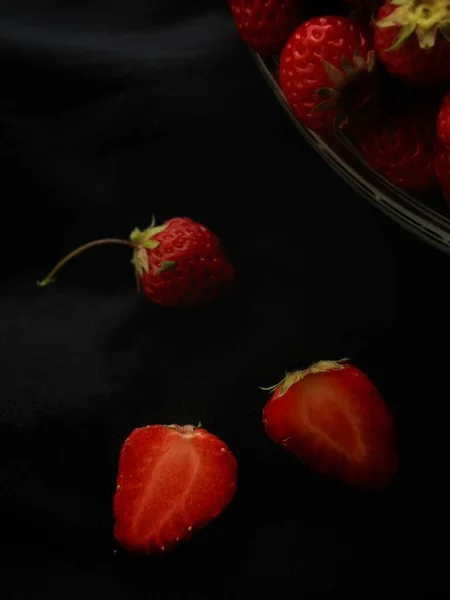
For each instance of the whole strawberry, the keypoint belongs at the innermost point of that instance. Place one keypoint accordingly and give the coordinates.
(172, 481)
(401, 148)
(412, 38)
(321, 58)
(443, 121)
(179, 264)
(333, 418)
(265, 25)
(442, 170)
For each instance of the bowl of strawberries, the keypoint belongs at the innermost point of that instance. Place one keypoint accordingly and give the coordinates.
(367, 83)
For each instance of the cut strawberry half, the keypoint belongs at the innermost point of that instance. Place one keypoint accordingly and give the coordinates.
(332, 417)
(172, 481)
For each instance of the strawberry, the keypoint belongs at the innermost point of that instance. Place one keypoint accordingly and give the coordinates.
(179, 263)
(265, 25)
(412, 38)
(171, 482)
(442, 170)
(320, 59)
(443, 121)
(401, 148)
(332, 417)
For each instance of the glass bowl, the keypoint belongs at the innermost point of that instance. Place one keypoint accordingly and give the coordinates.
(428, 218)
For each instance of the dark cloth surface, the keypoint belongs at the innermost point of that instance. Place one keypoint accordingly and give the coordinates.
(111, 111)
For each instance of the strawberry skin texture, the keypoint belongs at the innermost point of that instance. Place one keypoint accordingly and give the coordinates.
(304, 78)
(172, 481)
(442, 170)
(201, 272)
(335, 421)
(410, 63)
(265, 25)
(443, 121)
(401, 148)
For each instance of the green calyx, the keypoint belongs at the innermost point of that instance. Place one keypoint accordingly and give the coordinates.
(339, 78)
(424, 18)
(144, 240)
(292, 378)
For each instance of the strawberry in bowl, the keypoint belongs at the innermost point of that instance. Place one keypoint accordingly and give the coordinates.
(412, 38)
(265, 25)
(401, 147)
(367, 83)
(321, 58)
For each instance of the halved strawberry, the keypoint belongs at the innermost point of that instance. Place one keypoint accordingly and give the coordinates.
(172, 481)
(332, 417)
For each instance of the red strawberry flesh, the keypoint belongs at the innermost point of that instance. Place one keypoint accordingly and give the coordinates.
(335, 421)
(172, 481)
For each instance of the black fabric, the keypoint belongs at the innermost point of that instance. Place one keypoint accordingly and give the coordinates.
(112, 111)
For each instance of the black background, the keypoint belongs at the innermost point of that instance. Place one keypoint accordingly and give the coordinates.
(111, 111)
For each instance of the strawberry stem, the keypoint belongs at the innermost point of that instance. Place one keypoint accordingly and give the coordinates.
(50, 277)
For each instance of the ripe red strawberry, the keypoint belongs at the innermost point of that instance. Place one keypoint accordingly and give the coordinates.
(442, 170)
(412, 38)
(332, 417)
(265, 25)
(179, 263)
(320, 59)
(401, 148)
(172, 481)
(443, 121)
